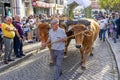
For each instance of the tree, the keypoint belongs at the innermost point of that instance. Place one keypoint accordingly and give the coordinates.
(87, 11)
(109, 4)
(70, 8)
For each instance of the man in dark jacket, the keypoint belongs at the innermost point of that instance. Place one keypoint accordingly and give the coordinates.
(118, 26)
(18, 44)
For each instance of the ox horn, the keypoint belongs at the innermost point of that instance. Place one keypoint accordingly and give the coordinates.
(88, 28)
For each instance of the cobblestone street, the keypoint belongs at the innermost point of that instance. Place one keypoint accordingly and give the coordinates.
(101, 66)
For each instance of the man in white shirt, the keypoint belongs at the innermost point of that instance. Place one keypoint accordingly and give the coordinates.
(103, 27)
(57, 37)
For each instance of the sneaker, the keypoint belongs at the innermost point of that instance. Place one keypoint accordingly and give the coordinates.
(25, 41)
(60, 73)
(22, 54)
(18, 56)
(10, 59)
(5, 62)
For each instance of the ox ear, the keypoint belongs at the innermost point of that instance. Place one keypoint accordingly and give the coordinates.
(88, 33)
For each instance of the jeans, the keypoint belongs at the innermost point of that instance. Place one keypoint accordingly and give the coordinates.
(58, 58)
(108, 31)
(18, 45)
(115, 36)
(8, 48)
(102, 34)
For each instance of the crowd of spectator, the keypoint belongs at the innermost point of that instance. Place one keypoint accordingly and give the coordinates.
(14, 31)
(109, 24)
(25, 32)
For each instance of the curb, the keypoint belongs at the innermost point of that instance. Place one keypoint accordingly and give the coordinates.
(115, 57)
(6, 66)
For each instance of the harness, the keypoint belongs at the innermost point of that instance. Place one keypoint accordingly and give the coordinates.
(39, 49)
(69, 22)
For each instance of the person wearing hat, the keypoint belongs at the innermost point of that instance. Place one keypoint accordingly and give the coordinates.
(57, 37)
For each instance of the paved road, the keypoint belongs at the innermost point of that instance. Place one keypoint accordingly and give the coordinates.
(101, 66)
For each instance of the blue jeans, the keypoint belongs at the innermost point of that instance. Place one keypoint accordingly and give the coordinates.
(115, 36)
(58, 58)
(102, 34)
(18, 45)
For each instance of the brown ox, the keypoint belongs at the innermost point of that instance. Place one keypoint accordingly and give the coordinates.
(43, 33)
(85, 37)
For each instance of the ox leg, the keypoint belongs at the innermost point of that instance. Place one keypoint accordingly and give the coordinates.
(81, 51)
(83, 59)
(91, 54)
(66, 47)
(83, 62)
(51, 56)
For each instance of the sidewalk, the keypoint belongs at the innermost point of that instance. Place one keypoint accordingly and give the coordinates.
(115, 48)
(28, 49)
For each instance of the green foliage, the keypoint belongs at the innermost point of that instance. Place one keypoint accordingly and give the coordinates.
(109, 4)
(87, 12)
(71, 7)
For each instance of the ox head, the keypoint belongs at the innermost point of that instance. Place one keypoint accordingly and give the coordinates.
(81, 32)
(43, 31)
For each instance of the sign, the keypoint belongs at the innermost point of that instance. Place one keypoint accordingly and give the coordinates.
(59, 6)
(41, 4)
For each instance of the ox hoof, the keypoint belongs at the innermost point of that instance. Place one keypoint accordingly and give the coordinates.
(83, 67)
(65, 53)
(51, 64)
(91, 54)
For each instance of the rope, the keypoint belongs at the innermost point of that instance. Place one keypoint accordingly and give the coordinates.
(41, 48)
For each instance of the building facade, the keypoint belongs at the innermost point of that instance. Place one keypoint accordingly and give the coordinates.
(48, 7)
(28, 7)
(15, 7)
(22, 7)
(5, 9)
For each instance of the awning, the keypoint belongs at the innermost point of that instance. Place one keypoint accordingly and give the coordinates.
(42, 4)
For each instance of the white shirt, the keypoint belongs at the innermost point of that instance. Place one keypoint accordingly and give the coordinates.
(102, 23)
(56, 36)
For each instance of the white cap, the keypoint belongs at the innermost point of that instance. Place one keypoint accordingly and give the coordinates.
(55, 21)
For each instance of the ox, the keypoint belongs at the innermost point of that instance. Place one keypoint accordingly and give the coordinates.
(85, 37)
(43, 34)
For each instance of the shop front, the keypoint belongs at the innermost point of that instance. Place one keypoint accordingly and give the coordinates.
(42, 8)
